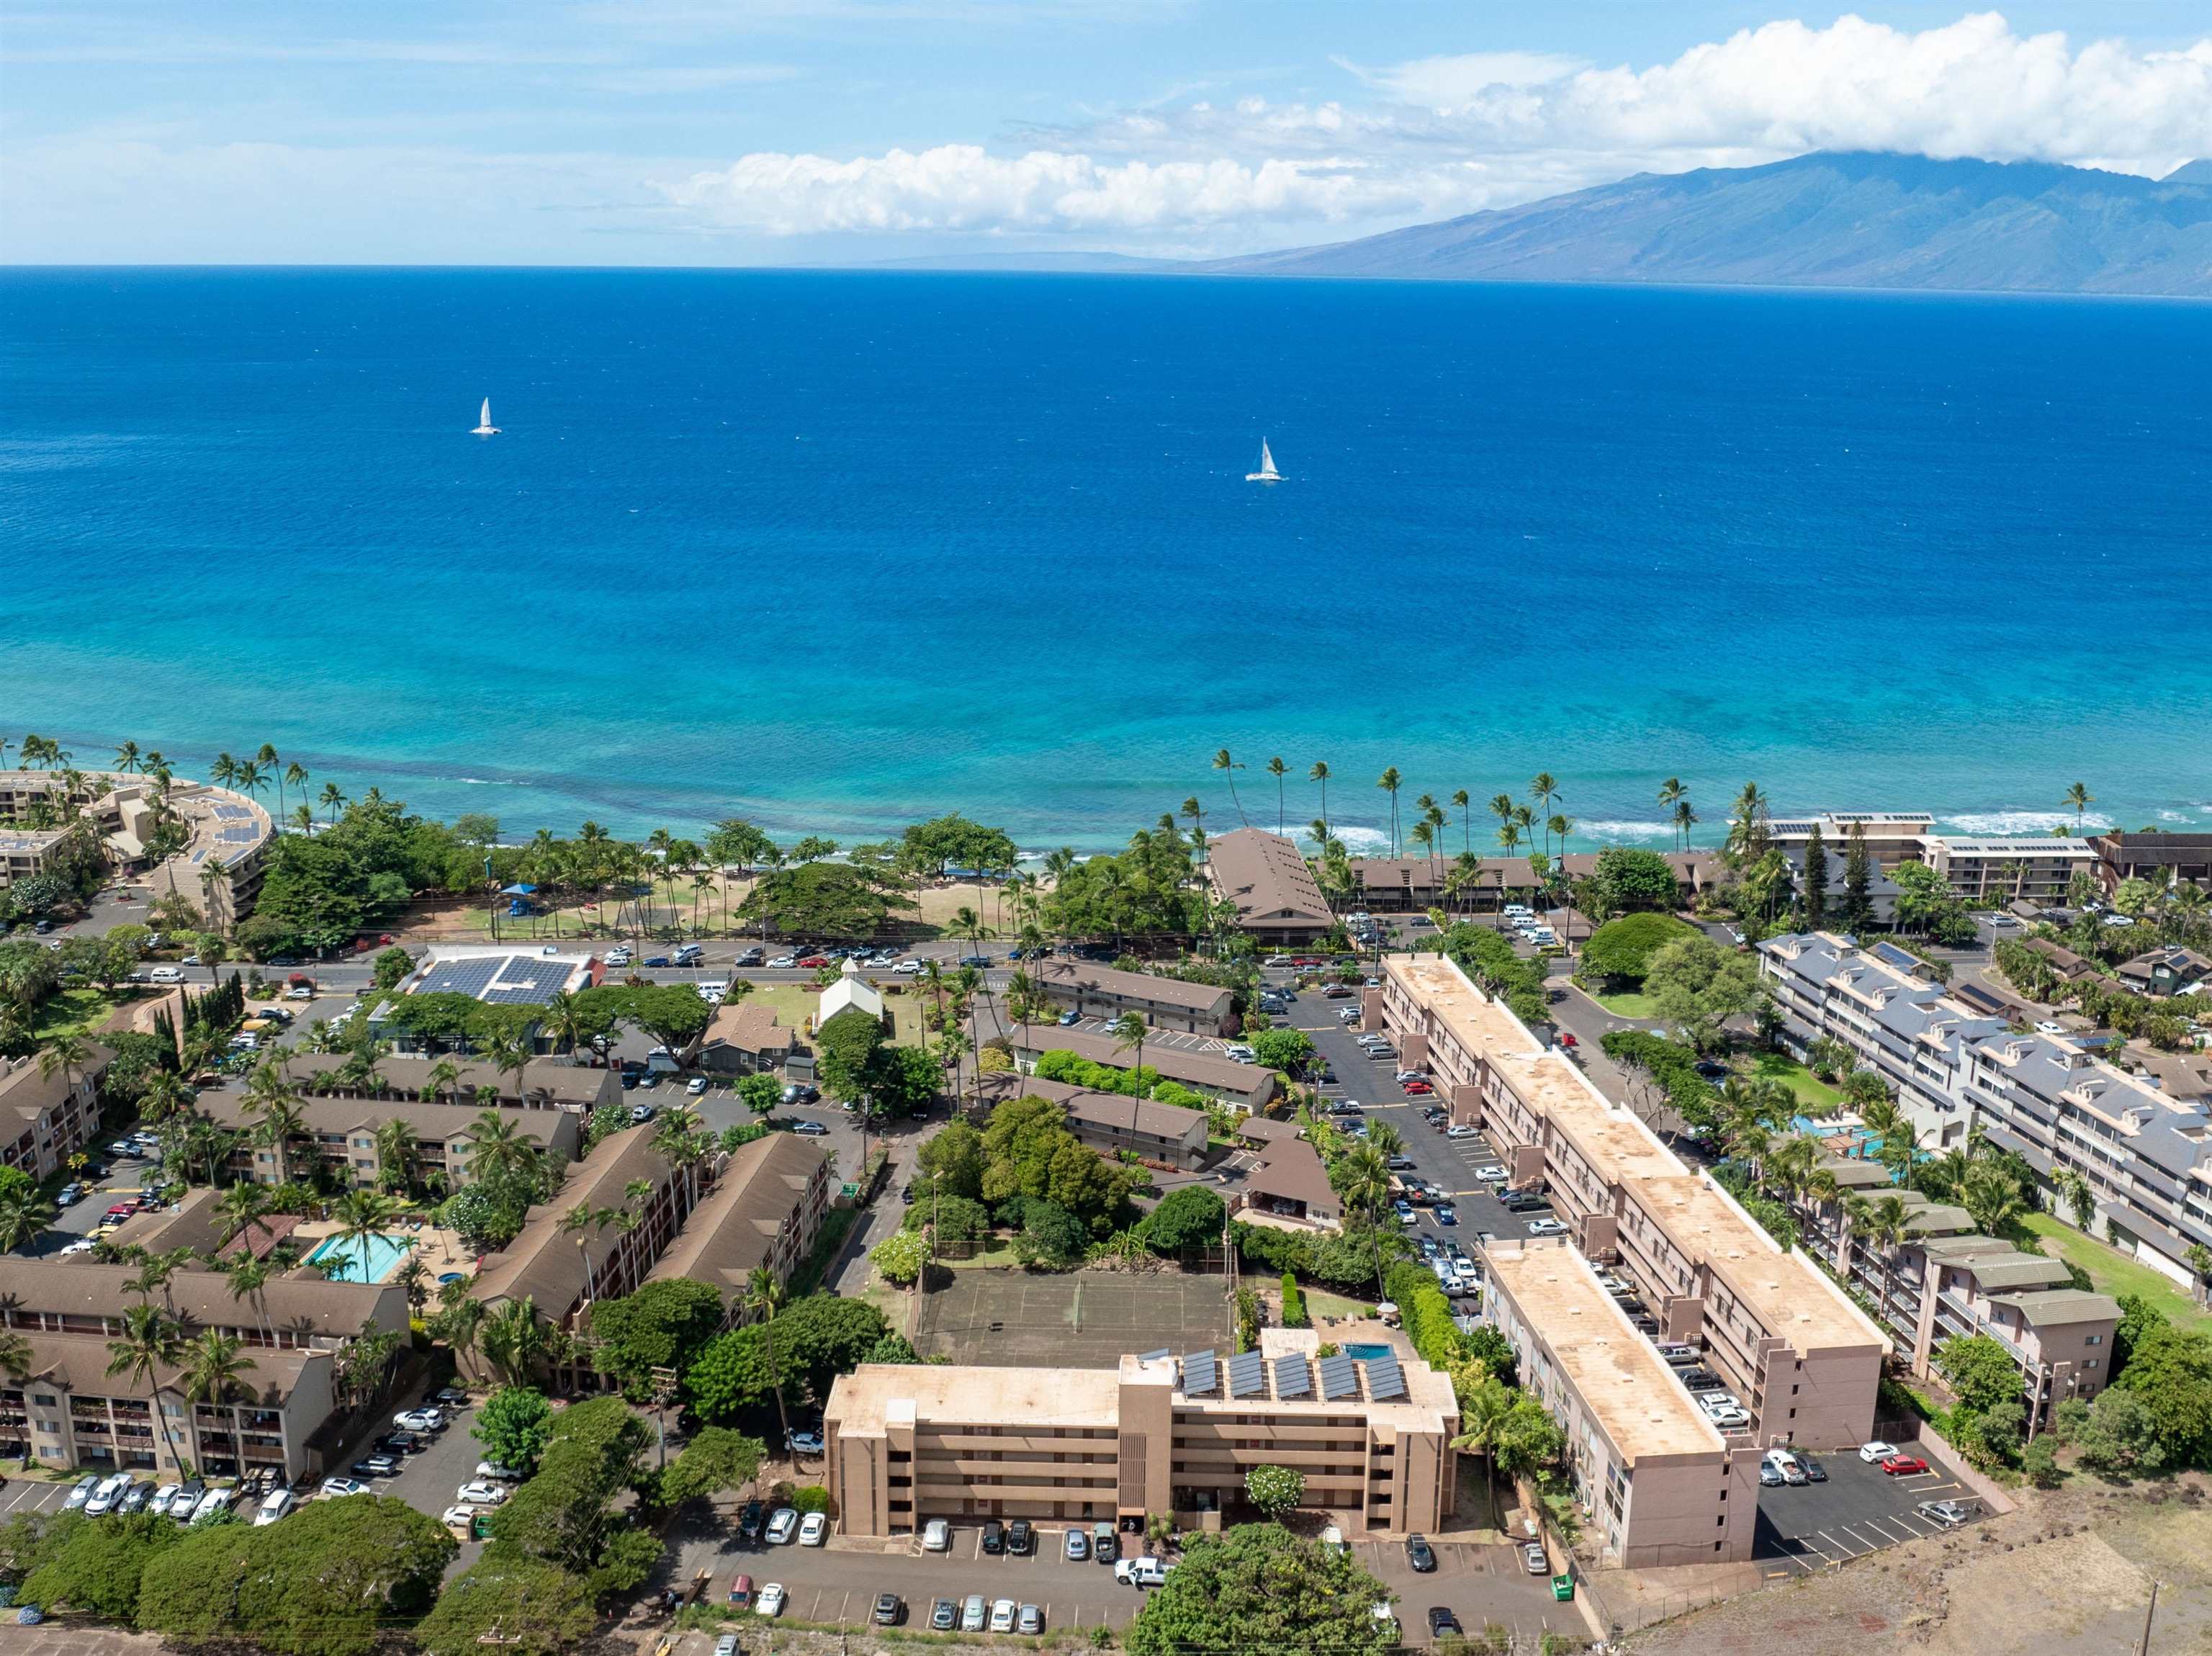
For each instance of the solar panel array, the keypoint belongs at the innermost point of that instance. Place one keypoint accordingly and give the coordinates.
(1200, 1374)
(1385, 1379)
(1292, 1378)
(1248, 1374)
(497, 981)
(245, 836)
(1154, 1357)
(234, 813)
(1339, 1377)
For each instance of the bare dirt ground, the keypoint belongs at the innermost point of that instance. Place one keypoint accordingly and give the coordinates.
(2068, 1574)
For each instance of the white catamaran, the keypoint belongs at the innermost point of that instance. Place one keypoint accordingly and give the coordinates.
(1266, 474)
(484, 427)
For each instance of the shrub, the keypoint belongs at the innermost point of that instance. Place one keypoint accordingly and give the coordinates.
(1294, 1303)
(811, 1498)
(1623, 949)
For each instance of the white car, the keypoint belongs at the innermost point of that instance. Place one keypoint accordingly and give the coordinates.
(336, 1487)
(81, 1492)
(274, 1505)
(695, 1086)
(770, 1601)
(1491, 1175)
(2045, 1027)
(813, 1530)
(497, 1473)
(782, 1525)
(1876, 1451)
(1002, 1616)
(459, 1518)
(908, 967)
(1546, 1227)
(619, 957)
(104, 1499)
(482, 1492)
(783, 963)
(159, 1505)
(937, 1536)
(1463, 1130)
(420, 1420)
(80, 1245)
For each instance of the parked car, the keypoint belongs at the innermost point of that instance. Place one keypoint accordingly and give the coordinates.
(1420, 1554)
(813, 1530)
(1876, 1452)
(103, 1498)
(944, 1615)
(420, 1420)
(1462, 1130)
(482, 1492)
(1002, 1616)
(336, 1487)
(1105, 1544)
(186, 1501)
(994, 1536)
(807, 1443)
(782, 1526)
(210, 1503)
(1770, 1475)
(1534, 1560)
(771, 1600)
(799, 1093)
(1029, 1619)
(972, 1614)
(497, 1473)
(890, 1610)
(1904, 1465)
(1546, 1227)
(1078, 1546)
(275, 1505)
(1021, 1537)
(1949, 1514)
(1814, 1471)
(160, 1504)
(1442, 1620)
(937, 1536)
(727, 1645)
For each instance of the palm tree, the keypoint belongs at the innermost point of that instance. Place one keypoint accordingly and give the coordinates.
(1463, 800)
(2080, 798)
(247, 1277)
(1879, 1226)
(763, 1298)
(1671, 794)
(509, 1055)
(240, 1207)
(1990, 1196)
(1128, 1030)
(1483, 1411)
(445, 1077)
(1543, 789)
(156, 1272)
(583, 1222)
(398, 1159)
(364, 1216)
(459, 1320)
(281, 1123)
(1278, 769)
(211, 1366)
(67, 1054)
(331, 799)
(1222, 761)
(128, 758)
(25, 1213)
(151, 1341)
(1320, 774)
(513, 1339)
(497, 1146)
(1685, 819)
(1390, 782)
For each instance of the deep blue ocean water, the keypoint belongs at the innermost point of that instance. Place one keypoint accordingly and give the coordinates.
(837, 550)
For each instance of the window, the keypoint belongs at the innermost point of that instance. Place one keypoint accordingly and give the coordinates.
(2093, 1339)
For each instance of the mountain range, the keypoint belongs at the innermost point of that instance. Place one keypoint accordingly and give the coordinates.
(1852, 220)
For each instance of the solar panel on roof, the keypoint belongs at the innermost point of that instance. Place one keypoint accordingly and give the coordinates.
(1201, 1374)
(1385, 1379)
(1339, 1377)
(1292, 1378)
(1248, 1374)
(1154, 1357)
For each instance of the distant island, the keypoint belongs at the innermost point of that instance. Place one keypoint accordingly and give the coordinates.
(1826, 220)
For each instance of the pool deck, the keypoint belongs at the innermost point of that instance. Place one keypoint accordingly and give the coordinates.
(440, 1251)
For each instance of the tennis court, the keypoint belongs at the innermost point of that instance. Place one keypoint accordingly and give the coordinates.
(1085, 1320)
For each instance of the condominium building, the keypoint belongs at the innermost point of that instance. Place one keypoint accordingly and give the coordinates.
(1803, 1359)
(1157, 1434)
(1894, 1022)
(69, 1410)
(2152, 856)
(1397, 885)
(1113, 1124)
(1101, 992)
(2033, 868)
(763, 1211)
(2146, 1154)
(1209, 1073)
(1271, 886)
(544, 1084)
(1660, 1485)
(497, 974)
(1891, 837)
(341, 1131)
(47, 1117)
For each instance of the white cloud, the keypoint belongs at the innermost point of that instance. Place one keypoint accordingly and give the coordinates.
(1452, 134)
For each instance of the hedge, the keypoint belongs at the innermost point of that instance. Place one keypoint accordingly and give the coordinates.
(1674, 1066)
(1294, 1303)
(1425, 1312)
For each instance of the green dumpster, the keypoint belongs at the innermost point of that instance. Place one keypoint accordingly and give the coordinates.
(1563, 1587)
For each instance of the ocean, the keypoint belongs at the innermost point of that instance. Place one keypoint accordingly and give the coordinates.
(835, 551)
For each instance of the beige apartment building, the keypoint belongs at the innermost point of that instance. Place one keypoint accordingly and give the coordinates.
(69, 1411)
(1101, 992)
(45, 1118)
(765, 1212)
(1157, 1434)
(1660, 1482)
(342, 1132)
(1789, 1343)
(2035, 867)
(1271, 886)
(1163, 1135)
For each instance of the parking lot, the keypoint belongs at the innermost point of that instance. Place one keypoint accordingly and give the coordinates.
(1860, 1509)
(839, 1583)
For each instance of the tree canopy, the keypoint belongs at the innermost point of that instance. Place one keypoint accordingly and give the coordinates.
(953, 842)
(813, 1341)
(1623, 879)
(1695, 983)
(1030, 1152)
(1257, 1586)
(666, 1323)
(1190, 1216)
(827, 899)
(1623, 949)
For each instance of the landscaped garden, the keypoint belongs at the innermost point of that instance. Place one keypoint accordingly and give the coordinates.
(2114, 1273)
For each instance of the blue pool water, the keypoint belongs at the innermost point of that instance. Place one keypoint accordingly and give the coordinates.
(1367, 1352)
(385, 1253)
(834, 551)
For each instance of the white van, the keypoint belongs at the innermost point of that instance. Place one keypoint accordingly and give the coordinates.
(274, 1506)
(214, 1502)
(165, 975)
(1142, 1572)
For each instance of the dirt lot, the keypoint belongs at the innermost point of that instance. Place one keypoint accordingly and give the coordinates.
(2068, 1574)
(1085, 1319)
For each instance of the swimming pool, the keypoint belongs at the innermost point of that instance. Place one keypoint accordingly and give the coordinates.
(385, 1253)
(1368, 1353)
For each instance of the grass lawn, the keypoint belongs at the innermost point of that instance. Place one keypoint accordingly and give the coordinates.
(1809, 1088)
(1632, 1004)
(1321, 1303)
(78, 1012)
(1000, 1256)
(2116, 1274)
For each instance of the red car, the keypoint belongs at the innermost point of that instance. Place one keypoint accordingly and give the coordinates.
(1904, 1465)
(810, 961)
(1569, 1041)
(1416, 1089)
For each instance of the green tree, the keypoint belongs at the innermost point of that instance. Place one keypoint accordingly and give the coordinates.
(761, 1093)
(2119, 1434)
(515, 1425)
(1858, 883)
(1257, 1586)
(1696, 984)
(1188, 1217)
(901, 1257)
(1274, 1490)
(508, 1599)
(1815, 885)
(666, 1323)
(1287, 1050)
(95, 1565)
(1623, 880)
(1051, 1235)
(714, 1460)
(1623, 949)
(391, 965)
(815, 1339)
(846, 1046)
(2170, 1373)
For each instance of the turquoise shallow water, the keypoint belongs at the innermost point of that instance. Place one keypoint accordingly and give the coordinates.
(836, 550)
(384, 1255)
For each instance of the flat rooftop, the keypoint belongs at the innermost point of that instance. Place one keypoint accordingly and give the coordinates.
(876, 1395)
(1786, 1292)
(1631, 1395)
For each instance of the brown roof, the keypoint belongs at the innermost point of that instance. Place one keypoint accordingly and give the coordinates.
(1117, 1111)
(1199, 1070)
(300, 1301)
(734, 1229)
(1071, 976)
(1697, 869)
(1263, 875)
(2069, 963)
(748, 1026)
(1294, 1169)
(78, 1363)
(543, 1262)
(22, 1088)
(1265, 1129)
(554, 1130)
(552, 1079)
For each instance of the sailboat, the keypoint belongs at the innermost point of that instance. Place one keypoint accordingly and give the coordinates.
(1266, 474)
(484, 427)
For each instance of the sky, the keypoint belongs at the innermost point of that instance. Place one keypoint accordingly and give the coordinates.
(726, 132)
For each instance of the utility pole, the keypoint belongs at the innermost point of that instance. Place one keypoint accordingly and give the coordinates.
(2149, 1610)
